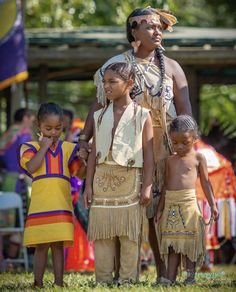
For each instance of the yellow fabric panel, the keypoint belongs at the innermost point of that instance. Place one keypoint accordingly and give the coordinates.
(43, 234)
(50, 198)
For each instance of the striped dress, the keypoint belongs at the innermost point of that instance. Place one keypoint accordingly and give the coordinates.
(50, 216)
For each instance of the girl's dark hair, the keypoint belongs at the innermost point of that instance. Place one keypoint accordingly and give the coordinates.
(124, 70)
(49, 108)
(184, 123)
(130, 38)
(68, 113)
(20, 114)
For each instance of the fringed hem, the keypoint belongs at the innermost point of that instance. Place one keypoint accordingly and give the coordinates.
(110, 222)
(194, 249)
(194, 252)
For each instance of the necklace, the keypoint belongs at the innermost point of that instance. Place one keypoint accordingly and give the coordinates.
(141, 76)
(150, 60)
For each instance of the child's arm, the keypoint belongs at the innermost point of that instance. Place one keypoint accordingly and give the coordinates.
(91, 165)
(206, 185)
(81, 173)
(36, 161)
(148, 162)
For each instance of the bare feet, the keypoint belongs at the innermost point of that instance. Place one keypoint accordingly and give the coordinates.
(38, 284)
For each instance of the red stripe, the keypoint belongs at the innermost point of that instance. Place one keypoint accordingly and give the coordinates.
(49, 220)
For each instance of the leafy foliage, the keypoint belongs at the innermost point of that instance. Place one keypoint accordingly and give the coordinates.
(76, 13)
(218, 107)
(73, 95)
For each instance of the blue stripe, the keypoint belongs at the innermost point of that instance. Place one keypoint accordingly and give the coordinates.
(73, 154)
(46, 162)
(50, 212)
(51, 176)
(61, 159)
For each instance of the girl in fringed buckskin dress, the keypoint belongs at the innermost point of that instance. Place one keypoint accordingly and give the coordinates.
(119, 176)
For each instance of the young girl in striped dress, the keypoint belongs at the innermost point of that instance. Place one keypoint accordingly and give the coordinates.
(50, 163)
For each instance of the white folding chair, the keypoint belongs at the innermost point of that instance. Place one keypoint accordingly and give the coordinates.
(11, 200)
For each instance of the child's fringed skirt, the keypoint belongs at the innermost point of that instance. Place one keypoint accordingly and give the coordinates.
(115, 210)
(181, 226)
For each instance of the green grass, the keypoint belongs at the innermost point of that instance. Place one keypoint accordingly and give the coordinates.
(223, 278)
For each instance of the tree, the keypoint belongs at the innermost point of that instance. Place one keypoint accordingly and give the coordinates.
(218, 107)
(76, 13)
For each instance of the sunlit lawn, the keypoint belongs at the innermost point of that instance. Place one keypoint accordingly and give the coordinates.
(222, 278)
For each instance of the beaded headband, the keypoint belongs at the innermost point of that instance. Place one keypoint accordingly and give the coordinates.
(158, 15)
(151, 18)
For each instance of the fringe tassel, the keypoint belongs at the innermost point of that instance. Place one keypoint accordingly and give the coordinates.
(110, 222)
(100, 89)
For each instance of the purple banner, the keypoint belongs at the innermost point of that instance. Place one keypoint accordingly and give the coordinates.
(13, 65)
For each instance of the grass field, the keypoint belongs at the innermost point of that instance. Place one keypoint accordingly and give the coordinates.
(222, 278)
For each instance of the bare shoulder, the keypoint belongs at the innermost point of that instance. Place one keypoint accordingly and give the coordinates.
(170, 61)
(200, 158)
(172, 67)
